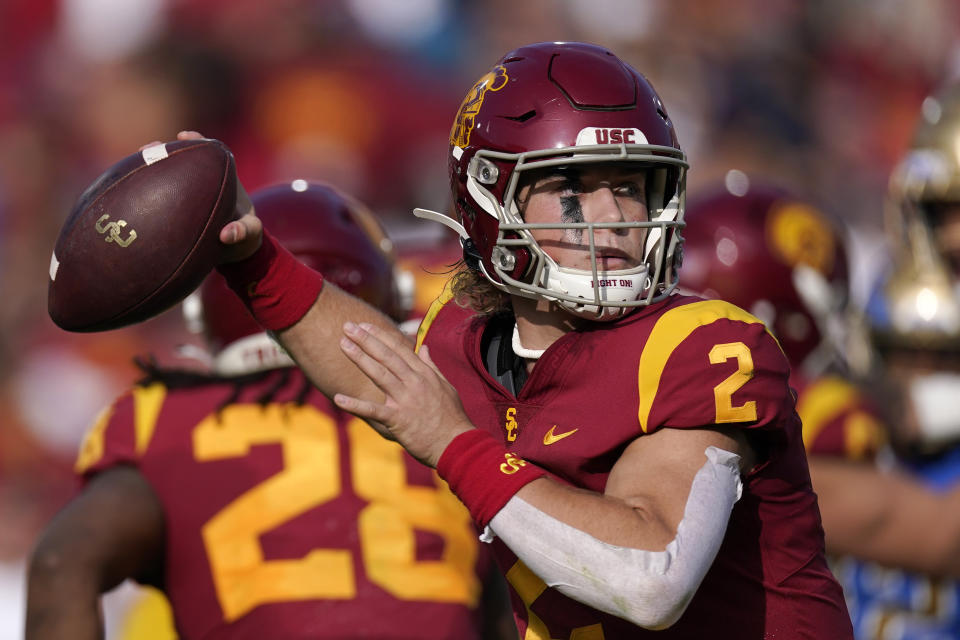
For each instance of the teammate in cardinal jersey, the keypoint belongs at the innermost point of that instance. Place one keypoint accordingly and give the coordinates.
(778, 255)
(633, 455)
(761, 247)
(259, 508)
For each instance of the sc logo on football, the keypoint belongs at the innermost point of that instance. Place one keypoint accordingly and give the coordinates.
(112, 229)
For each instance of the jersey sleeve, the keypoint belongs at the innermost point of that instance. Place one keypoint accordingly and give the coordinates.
(838, 421)
(710, 362)
(121, 432)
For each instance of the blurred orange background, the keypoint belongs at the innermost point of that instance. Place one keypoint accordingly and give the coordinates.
(821, 96)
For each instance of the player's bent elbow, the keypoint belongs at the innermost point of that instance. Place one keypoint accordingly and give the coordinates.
(61, 595)
(43, 567)
(46, 562)
(654, 604)
(671, 605)
(54, 565)
(657, 606)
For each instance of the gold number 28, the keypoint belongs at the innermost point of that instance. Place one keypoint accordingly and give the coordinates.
(310, 477)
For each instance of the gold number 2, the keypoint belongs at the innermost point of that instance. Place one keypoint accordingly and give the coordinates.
(723, 392)
(311, 477)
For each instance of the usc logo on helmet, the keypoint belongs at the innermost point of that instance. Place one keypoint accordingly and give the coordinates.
(493, 80)
(798, 234)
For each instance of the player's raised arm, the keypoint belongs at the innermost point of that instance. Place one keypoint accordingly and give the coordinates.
(304, 312)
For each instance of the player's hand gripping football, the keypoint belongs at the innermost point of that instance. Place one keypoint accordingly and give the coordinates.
(244, 234)
(421, 409)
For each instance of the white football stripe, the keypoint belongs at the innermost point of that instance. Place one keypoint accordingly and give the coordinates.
(54, 265)
(155, 153)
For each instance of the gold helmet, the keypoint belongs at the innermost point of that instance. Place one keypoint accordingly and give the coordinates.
(913, 326)
(923, 207)
(912, 317)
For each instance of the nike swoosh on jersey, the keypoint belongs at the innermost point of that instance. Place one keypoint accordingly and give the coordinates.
(550, 437)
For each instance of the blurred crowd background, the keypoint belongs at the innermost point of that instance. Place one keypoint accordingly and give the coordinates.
(821, 95)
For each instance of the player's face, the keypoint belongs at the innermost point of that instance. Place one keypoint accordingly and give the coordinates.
(597, 193)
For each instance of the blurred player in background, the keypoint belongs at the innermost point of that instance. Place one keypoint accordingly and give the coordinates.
(260, 509)
(913, 319)
(923, 207)
(914, 324)
(780, 257)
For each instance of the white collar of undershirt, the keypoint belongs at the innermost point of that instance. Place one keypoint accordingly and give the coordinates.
(520, 350)
(257, 352)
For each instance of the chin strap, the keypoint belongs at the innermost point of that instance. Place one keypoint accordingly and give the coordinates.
(520, 350)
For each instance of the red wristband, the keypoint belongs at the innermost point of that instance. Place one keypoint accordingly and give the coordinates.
(277, 288)
(483, 474)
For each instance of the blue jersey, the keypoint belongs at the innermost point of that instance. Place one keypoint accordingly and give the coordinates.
(898, 605)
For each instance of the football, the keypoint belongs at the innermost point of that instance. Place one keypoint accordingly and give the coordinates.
(142, 236)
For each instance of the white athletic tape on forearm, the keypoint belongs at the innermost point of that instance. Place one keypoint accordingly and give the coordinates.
(649, 588)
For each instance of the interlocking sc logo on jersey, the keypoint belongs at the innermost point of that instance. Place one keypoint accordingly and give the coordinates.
(511, 424)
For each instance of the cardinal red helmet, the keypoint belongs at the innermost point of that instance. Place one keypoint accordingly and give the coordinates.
(778, 257)
(326, 230)
(560, 104)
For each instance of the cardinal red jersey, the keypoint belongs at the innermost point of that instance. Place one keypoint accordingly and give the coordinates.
(293, 520)
(682, 363)
(838, 420)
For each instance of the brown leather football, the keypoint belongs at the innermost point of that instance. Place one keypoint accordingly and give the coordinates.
(142, 236)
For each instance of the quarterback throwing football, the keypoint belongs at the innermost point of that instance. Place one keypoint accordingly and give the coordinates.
(633, 455)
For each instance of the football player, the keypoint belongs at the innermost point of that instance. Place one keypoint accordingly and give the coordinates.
(914, 322)
(259, 508)
(923, 207)
(913, 316)
(633, 455)
(779, 256)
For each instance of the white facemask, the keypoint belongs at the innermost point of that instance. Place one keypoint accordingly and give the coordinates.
(625, 286)
(934, 397)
